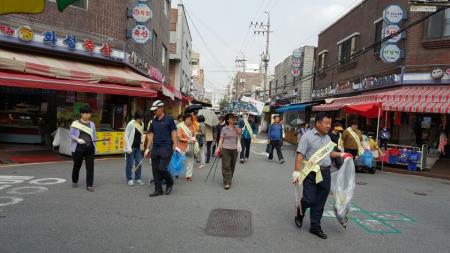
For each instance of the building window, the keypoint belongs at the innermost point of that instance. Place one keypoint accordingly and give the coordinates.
(322, 59)
(346, 48)
(82, 4)
(166, 8)
(284, 82)
(378, 31)
(163, 56)
(154, 44)
(439, 25)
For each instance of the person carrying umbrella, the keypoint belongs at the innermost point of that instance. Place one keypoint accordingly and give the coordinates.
(248, 128)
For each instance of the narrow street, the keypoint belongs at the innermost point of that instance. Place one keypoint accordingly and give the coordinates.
(393, 213)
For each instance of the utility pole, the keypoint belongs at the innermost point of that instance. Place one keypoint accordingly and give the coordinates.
(264, 29)
(240, 62)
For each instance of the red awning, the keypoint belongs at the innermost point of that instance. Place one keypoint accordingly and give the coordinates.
(368, 110)
(426, 99)
(40, 82)
(339, 103)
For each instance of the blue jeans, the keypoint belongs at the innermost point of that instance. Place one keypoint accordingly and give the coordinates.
(136, 156)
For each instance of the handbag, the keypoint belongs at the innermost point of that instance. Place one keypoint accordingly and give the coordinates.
(268, 148)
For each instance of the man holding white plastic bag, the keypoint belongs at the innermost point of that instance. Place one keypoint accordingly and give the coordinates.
(312, 169)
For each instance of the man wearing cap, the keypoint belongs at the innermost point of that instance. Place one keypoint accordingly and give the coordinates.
(161, 142)
(83, 135)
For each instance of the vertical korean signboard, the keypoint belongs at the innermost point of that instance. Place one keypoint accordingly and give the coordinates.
(142, 14)
(392, 16)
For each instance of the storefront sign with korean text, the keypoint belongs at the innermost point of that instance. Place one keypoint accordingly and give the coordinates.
(393, 14)
(391, 29)
(390, 53)
(140, 34)
(142, 13)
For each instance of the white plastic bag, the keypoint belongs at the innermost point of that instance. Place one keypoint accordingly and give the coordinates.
(343, 187)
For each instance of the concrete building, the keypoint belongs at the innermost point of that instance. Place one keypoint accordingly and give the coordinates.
(198, 77)
(180, 50)
(285, 87)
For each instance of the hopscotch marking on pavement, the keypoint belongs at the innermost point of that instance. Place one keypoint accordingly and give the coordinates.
(372, 222)
(6, 182)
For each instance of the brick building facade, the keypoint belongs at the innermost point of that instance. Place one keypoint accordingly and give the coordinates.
(362, 27)
(105, 20)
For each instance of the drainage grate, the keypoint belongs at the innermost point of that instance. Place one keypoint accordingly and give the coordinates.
(361, 183)
(420, 193)
(229, 223)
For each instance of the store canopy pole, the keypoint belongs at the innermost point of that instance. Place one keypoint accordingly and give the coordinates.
(378, 123)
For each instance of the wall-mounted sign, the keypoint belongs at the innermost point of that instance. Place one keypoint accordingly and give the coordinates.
(437, 74)
(296, 62)
(25, 33)
(296, 53)
(140, 34)
(26, 37)
(391, 29)
(390, 53)
(135, 60)
(393, 14)
(295, 72)
(142, 13)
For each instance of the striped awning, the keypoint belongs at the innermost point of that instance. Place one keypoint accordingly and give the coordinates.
(424, 99)
(69, 69)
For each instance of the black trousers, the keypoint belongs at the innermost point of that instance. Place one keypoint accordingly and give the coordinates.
(245, 144)
(208, 151)
(315, 196)
(87, 153)
(161, 157)
(276, 145)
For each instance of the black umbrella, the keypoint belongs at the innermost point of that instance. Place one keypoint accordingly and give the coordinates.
(192, 108)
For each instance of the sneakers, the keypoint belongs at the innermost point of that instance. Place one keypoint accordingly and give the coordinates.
(130, 182)
(74, 185)
(140, 182)
(201, 166)
(242, 160)
(281, 161)
(90, 189)
(226, 187)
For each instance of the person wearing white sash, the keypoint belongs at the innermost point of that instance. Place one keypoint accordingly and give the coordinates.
(312, 169)
(352, 138)
(133, 139)
(83, 135)
(248, 129)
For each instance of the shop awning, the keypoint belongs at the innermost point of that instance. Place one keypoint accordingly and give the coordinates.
(64, 68)
(292, 108)
(39, 82)
(431, 99)
(368, 110)
(334, 104)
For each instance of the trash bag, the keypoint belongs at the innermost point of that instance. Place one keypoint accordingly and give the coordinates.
(176, 165)
(343, 187)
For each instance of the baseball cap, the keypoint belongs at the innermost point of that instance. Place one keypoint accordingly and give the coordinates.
(156, 104)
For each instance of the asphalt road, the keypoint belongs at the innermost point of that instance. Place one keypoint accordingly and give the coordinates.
(54, 217)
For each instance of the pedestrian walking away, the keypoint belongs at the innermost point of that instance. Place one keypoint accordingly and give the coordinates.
(229, 137)
(248, 129)
(201, 139)
(187, 142)
(134, 132)
(83, 135)
(209, 137)
(276, 138)
(161, 142)
(312, 169)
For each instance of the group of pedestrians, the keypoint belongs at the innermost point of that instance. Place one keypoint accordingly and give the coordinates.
(189, 135)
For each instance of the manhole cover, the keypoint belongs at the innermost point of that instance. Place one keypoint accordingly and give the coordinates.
(361, 183)
(229, 222)
(420, 193)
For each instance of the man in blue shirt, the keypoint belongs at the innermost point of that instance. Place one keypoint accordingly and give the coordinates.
(162, 141)
(247, 135)
(276, 138)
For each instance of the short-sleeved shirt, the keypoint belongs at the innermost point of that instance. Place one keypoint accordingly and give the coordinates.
(311, 142)
(230, 137)
(162, 131)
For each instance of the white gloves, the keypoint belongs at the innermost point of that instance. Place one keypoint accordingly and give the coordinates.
(295, 177)
(81, 141)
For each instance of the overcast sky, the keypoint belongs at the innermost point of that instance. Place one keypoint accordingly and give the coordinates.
(220, 30)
